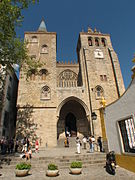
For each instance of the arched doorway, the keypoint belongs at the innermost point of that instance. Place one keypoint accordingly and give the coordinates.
(72, 117)
(70, 124)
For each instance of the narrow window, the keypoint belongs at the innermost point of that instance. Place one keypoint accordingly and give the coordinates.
(103, 40)
(96, 42)
(33, 57)
(45, 93)
(34, 39)
(105, 78)
(32, 74)
(43, 74)
(90, 41)
(32, 77)
(101, 77)
(99, 92)
(127, 130)
(44, 49)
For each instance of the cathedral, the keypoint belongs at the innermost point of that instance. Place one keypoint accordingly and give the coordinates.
(66, 96)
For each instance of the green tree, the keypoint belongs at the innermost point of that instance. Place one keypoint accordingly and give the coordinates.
(12, 48)
(25, 125)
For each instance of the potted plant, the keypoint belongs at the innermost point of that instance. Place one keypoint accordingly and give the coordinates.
(52, 170)
(22, 169)
(76, 167)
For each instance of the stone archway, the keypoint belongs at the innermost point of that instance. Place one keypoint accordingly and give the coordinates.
(72, 115)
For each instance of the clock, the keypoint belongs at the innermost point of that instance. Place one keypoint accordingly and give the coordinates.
(98, 54)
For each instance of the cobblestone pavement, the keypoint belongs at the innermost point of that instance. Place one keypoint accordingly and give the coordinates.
(92, 173)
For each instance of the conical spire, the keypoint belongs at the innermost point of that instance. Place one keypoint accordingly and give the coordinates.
(42, 26)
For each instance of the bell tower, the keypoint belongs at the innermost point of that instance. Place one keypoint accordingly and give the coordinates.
(99, 70)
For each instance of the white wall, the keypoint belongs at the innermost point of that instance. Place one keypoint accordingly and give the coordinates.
(116, 111)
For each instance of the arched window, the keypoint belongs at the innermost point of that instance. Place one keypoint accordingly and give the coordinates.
(90, 41)
(67, 79)
(45, 93)
(33, 57)
(44, 49)
(99, 92)
(96, 42)
(32, 74)
(103, 41)
(43, 73)
(34, 39)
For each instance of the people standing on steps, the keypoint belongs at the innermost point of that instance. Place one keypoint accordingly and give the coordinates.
(91, 143)
(99, 141)
(78, 145)
(66, 142)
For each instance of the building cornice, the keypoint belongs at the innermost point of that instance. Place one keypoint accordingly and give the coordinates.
(38, 32)
(94, 34)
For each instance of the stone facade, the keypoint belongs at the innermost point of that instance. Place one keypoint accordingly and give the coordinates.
(63, 95)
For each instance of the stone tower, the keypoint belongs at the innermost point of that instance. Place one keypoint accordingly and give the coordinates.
(39, 90)
(63, 96)
(100, 70)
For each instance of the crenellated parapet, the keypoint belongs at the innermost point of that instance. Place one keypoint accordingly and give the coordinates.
(67, 62)
(95, 31)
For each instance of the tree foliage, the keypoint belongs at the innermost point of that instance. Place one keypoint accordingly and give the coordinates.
(12, 49)
(25, 125)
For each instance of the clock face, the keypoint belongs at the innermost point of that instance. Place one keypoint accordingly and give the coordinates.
(98, 54)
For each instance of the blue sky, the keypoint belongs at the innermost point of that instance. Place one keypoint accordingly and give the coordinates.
(68, 18)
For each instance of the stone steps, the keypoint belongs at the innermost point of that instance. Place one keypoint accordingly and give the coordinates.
(58, 160)
(67, 157)
(61, 161)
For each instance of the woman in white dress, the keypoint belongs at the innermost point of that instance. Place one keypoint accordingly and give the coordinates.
(78, 145)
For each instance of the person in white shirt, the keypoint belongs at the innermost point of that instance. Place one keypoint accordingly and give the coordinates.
(91, 142)
(78, 145)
